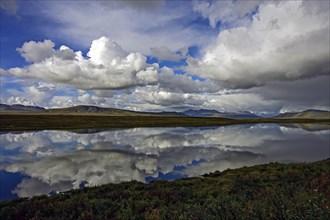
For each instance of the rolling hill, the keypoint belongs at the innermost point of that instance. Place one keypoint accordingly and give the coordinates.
(83, 109)
(110, 111)
(308, 114)
(19, 108)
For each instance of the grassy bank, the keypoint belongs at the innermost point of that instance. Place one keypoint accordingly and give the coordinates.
(272, 191)
(35, 121)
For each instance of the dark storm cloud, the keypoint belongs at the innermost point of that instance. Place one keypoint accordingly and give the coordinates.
(306, 92)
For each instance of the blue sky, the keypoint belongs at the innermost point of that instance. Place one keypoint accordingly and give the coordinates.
(257, 56)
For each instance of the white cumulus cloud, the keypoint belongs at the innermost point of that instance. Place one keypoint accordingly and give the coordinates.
(170, 81)
(37, 51)
(285, 40)
(107, 66)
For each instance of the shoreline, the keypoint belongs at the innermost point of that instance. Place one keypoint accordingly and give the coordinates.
(270, 190)
(46, 121)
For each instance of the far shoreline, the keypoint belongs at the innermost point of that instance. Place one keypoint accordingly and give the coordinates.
(15, 121)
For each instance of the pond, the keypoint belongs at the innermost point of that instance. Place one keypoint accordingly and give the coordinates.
(48, 162)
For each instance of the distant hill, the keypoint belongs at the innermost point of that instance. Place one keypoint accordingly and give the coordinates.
(308, 114)
(200, 112)
(81, 109)
(84, 109)
(215, 113)
(88, 109)
(19, 108)
(111, 111)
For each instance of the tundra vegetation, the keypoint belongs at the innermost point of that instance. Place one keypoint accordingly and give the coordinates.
(270, 191)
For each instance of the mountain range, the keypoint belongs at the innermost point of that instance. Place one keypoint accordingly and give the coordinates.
(215, 113)
(85, 109)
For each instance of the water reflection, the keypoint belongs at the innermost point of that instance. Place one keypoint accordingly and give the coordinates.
(50, 161)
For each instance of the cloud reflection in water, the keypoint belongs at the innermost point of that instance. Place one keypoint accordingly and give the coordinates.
(60, 160)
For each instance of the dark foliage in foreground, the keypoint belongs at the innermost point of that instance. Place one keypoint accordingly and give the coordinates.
(273, 191)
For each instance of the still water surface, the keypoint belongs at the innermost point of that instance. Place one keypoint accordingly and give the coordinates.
(46, 162)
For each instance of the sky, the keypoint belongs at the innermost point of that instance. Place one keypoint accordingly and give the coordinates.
(265, 57)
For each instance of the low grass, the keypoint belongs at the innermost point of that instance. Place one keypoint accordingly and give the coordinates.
(270, 191)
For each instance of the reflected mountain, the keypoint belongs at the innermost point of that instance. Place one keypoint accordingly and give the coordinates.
(52, 161)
